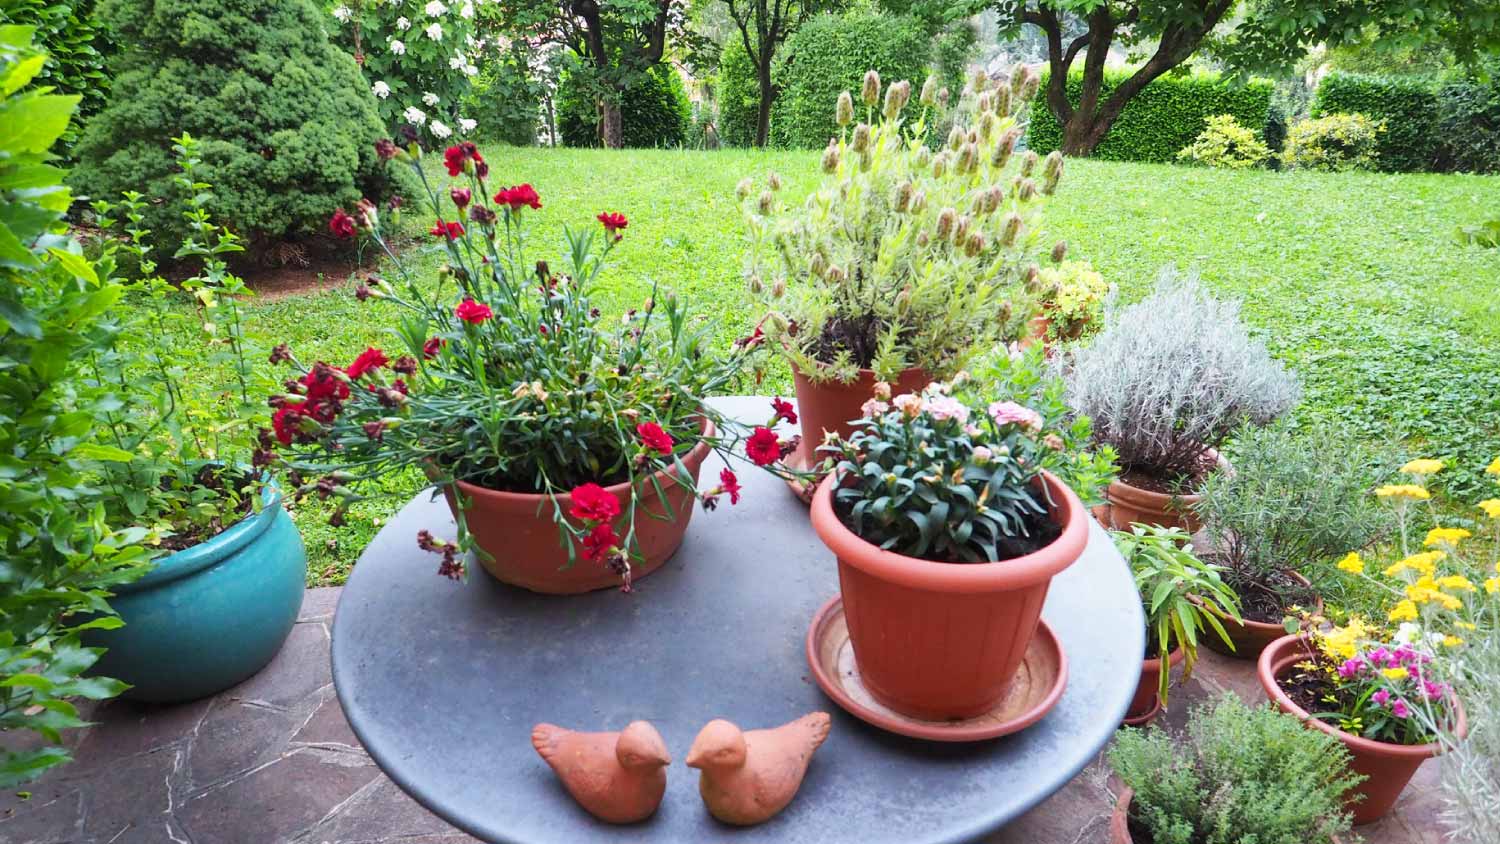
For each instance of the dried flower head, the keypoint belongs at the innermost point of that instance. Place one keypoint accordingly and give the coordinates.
(843, 114)
(870, 91)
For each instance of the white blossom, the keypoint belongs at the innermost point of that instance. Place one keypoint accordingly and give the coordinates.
(403, 24)
(466, 125)
(435, 8)
(466, 10)
(380, 89)
(435, 31)
(414, 115)
(342, 13)
(471, 71)
(457, 62)
(439, 130)
(397, 48)
(430, 99)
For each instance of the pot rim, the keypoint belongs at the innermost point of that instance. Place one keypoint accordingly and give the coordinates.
(864, 374)
(1266, 626)
(1148, 499)
(697, 454)
(1273, 663)
(215, 549)
(1173, 659)
(1001, 575)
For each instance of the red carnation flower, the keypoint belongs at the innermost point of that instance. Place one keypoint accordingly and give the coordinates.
(472, 312)
(460, 197)
(599, 542)
(385, 149)
(371, 358)
(784, 410)
(434, 345)
(654, 438)
(593, 503)
(454, 158)
(341, 224)
(762, 448)
(322, 383)
(286, 421)
(518, 197)
(731, 485)
(448, 230)
(614, 223)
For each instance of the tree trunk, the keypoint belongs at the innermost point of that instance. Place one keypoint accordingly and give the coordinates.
(611, 129)
(767, 96)
(1084, 132)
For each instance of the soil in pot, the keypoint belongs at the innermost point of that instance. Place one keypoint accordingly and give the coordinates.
(1140, 496)
(1264, 608)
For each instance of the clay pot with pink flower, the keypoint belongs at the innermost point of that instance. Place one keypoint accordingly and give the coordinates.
(1166, 382)
(569, 446)
(947, 533)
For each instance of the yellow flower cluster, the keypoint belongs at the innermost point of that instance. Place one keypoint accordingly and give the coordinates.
(1343, 643)
(1407, 492)
(1423, 467)
(1494, 467)
(1428, 591)
(1491, 507)
(1352, 563)
(1424, 564)
(1445, 536)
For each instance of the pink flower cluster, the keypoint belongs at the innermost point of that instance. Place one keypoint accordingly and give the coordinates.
(1385, 666)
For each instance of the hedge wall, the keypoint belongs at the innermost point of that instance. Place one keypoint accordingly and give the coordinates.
(739, 96)
(830, 54)
(1162, 119)
(1409, 108)
(1469, 123)
(654, 112)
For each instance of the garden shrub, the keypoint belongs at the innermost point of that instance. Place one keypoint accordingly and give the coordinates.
(654, 112)
(1242, 776)
(1225, 143)
(1407, 107)
(829, 55)
(1162, 119)
(1469, 123)
(739, 96)
(288, 127)
(60, 556)
(505, 100)
(75, 46)
(1333, 142)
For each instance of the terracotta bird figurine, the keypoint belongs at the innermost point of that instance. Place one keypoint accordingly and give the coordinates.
(748, 777)
(617, 777)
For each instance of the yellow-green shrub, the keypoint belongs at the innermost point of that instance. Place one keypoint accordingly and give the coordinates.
(1333, 142)
(1225, 143)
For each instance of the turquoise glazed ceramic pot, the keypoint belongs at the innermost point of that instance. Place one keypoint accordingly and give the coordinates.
(208, 617)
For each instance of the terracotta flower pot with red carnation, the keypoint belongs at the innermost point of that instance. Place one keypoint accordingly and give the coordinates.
(943, 578)
(1387, 766)
(569, 446)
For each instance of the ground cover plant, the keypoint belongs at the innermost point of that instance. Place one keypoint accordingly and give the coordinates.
(1350, 278)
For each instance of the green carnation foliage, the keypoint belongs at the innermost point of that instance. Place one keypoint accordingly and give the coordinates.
(288, 127)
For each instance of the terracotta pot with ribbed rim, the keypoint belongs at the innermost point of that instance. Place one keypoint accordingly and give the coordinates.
(1132, 504)
(1252, 637)
(1387, 767)
(1146, 704)
(518, 531)
(832, 405)
(941, 641)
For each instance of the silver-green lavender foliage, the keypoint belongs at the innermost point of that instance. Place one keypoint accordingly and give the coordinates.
(1471, 771)
(1173, 375)
(1287, 505)
(1240, 776)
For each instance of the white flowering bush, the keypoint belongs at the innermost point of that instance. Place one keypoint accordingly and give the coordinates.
(418, 56)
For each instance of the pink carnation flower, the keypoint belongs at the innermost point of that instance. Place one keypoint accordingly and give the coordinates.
(873, 407)
(946, 407)
(1009, 413)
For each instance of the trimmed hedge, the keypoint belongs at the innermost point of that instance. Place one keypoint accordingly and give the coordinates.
(655, 112)
(830, 54)
(1469, 124)
(1409, 108)
(1164, 117)
(739, 96)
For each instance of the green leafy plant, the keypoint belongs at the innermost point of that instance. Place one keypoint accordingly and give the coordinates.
(1182, 595)
(926, 475)
(1073, 296)
(511, 379)
(1333, 142)
(1024, 378)
(654, 112)
(904, 257)
(1225, 143)
(1484, 235)
(1287, 507)
(1405, 108)
(1242, 776)
(59, 553)
(287, 128)
(199, 461)
(76, 46)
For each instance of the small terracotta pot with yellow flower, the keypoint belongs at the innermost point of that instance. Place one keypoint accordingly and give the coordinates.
(1387, 695)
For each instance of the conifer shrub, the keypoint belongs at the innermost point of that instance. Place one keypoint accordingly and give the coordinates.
(288, 127)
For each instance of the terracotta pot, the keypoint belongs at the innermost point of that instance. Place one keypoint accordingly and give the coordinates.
(1146, 704)
(1252, 637)
(1131, 504)
(518, 531)
(831, 405)
(1387, 767)
(1036, 331)
(940, 641)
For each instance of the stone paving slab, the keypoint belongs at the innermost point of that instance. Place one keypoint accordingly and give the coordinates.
(272, 761)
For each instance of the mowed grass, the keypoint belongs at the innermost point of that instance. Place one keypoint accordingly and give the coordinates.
(1352, 279)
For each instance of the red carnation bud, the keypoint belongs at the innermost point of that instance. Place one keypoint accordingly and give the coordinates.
(385, 148)
(460, 197)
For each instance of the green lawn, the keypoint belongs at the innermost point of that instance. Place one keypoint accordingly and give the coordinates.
(1353, 278)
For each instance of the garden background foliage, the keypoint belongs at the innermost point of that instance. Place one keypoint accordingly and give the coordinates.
(287, 124)
(653, 113)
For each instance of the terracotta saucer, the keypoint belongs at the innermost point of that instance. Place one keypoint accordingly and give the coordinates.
(1037, 687)
(799, 461)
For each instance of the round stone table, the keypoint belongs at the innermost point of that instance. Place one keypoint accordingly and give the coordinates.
(442, 682)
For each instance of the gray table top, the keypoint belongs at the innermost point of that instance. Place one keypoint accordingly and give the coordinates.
(443, 681)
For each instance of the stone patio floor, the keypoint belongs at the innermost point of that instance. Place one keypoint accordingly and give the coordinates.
(272, 760)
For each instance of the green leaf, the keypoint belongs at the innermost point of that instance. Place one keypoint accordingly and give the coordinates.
(100, 451)
(33, 123)
(76, 265)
